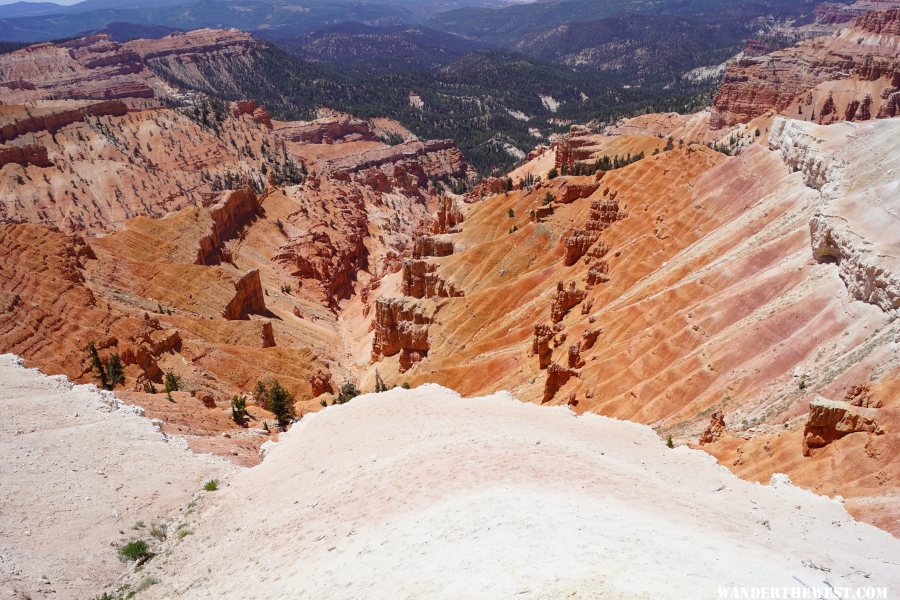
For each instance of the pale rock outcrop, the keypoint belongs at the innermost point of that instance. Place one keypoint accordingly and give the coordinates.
(856, 168)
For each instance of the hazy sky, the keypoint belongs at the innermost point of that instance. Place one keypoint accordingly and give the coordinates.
(55, 1)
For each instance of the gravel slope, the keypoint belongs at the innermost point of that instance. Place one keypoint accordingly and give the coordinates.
(423, 494)
(78, 472)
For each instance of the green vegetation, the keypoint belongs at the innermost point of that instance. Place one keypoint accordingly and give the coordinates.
(136, 550)
(669, 442)
(239, 409)
(110, 371)
(171, 382)
(277, 400)
(211, 486)
(380, 385)
(348, 392)
(606, 164)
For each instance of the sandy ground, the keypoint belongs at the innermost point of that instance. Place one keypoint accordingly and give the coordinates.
(423, 494)
(78, 473)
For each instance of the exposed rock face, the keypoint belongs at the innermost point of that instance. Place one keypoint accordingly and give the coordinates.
(575, 361)
(320, 381)
(566, 298)
(830, 420)
(557, 377)
(328, 256)
(105, 165)
(589, 338)
(97, 67)
(432, 245)
(400, 326)
(16, 121)
(420, 280)
(800, 80)
(24, 156)
(540, 345)
(327, 131)
(714, 430)
(604, 212)
(230, 212)
(854, 229)
(256, 112)
(407, 166)
(49, 314)
(248, 298)
(93, 67)
(448, 215)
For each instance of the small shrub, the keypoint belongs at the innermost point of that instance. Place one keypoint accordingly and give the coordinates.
(135, 550)
(172, 382)
(553, 174)
(348, 392)
(802, 384)
(114, 372)
(211, 485)
(547, 199)
(277, 400)
(149, 388)
(669, 442)
(279, 225)
(158, 532)
(380, 386)
(511, 213)
(97, 364)
(239, 409)
(405, 386)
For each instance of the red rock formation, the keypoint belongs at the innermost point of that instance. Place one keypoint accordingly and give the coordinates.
(557, 377)
(229, 211)
(432, 245)
(420, 280)
(448, 215)
(400, 327)
(331, 255)
(24, 155)
(256, 112)
(248, 298)
(882, 22)
(577, 191)
(340, 128)
(830, 420)
(540, 346)
(589, 338)
(714, 430)
(776, 82)
(574, 357)
(16, 120)
(564, 300)
(320, 381)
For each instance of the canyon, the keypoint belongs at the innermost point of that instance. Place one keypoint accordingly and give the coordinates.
(727, 281)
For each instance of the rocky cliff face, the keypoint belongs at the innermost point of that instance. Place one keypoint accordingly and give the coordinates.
(855, 224)
(848, 76)
(401, 326)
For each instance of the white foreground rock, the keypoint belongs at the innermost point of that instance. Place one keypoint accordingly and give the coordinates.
(422, 494)
(77, 468)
